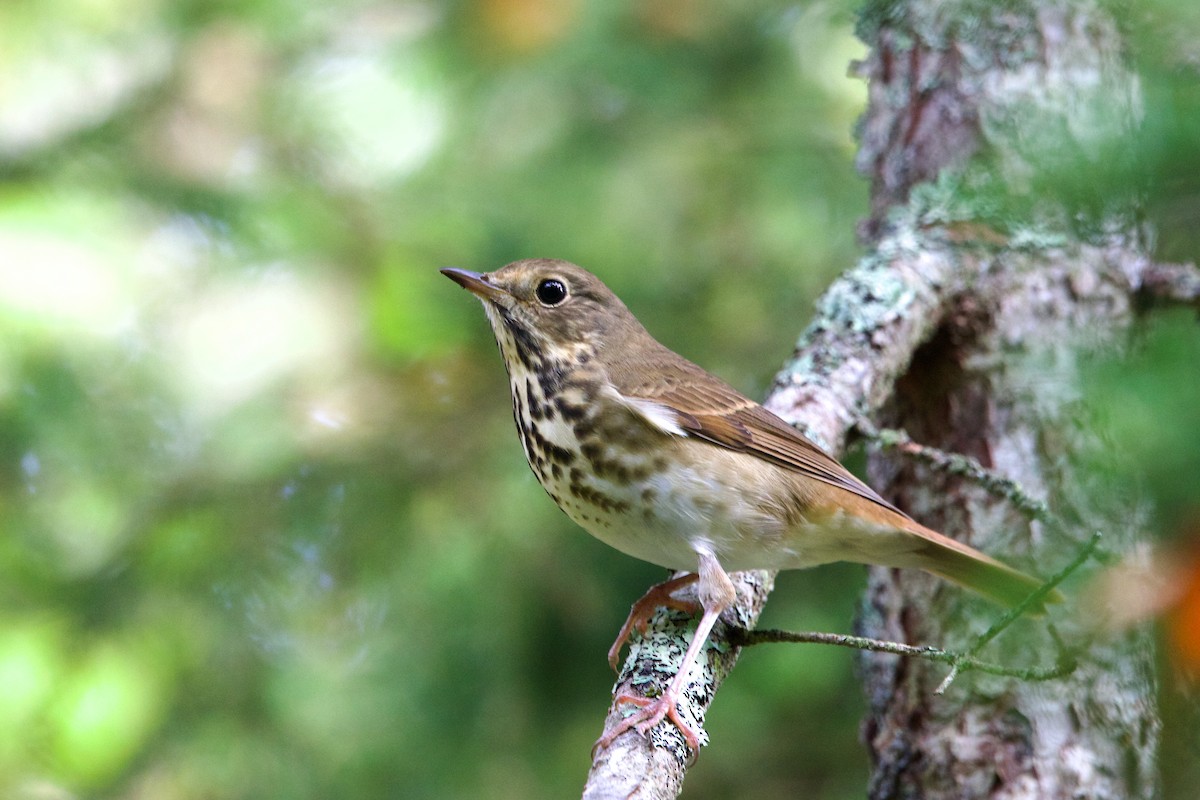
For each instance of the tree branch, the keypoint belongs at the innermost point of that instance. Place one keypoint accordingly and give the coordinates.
(957, 464)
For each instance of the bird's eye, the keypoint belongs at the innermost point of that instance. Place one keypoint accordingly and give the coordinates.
(551, 292)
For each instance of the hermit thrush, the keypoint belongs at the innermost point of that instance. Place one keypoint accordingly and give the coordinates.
(663, 461)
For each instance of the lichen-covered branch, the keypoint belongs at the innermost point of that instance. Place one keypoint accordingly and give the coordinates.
(957, 464)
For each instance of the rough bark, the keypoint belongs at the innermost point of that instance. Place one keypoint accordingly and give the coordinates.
(962, 328)
(966, 84)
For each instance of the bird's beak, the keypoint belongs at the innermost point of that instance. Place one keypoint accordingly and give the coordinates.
(477, 284)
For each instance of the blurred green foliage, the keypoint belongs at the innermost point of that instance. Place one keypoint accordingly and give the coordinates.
(1146, 401)
(265, 529)
(1150, 409)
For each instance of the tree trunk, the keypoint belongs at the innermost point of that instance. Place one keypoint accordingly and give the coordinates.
(993, 100)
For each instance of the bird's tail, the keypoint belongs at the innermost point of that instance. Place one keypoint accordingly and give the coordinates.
(978, 572)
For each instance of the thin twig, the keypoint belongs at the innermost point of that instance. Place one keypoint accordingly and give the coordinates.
(957, 464)
(1171, 283)
(959, 661)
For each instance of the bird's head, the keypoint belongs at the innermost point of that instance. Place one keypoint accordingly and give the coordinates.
(543, 309)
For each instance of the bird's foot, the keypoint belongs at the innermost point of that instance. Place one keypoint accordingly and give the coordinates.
(659, 596)
(652, 710)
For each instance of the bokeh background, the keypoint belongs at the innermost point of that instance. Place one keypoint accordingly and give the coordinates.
(265, 527)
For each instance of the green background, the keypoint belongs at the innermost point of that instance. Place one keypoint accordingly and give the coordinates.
(265, 527)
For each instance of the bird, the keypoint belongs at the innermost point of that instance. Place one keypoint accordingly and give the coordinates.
(662, 460)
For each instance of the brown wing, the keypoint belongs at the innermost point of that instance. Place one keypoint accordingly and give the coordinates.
(710, 409)
(707, 408)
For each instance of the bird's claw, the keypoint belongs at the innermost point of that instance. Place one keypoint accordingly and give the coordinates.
(658, 596)
(651, 712)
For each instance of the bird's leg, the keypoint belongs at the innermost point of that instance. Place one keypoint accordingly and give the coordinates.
(716, 594)
(658, 596)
